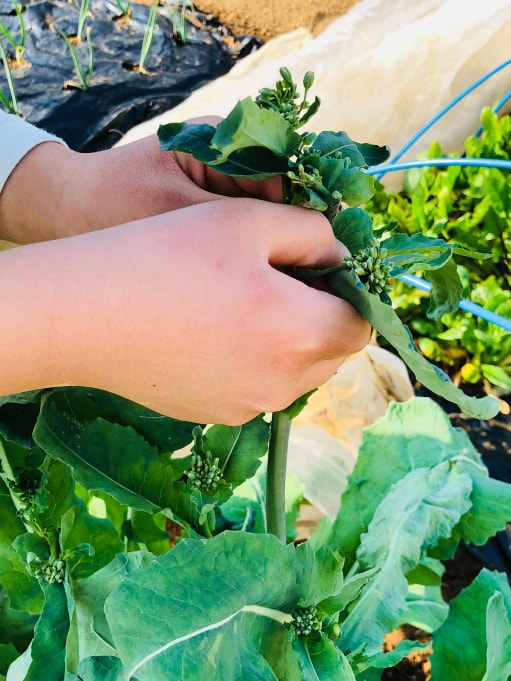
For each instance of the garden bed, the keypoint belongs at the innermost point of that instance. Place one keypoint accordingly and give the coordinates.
(62, 430)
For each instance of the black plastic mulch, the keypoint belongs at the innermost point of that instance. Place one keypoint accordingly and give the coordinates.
(118, 97)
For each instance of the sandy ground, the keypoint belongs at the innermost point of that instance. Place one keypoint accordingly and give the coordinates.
(273, 17)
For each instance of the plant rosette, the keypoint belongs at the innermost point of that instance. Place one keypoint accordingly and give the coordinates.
(123, 558)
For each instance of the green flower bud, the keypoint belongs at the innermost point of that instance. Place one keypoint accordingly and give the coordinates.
(308, 80)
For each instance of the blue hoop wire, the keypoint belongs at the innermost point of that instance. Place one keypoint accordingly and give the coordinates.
(394, 166)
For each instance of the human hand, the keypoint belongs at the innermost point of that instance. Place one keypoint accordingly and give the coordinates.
(191, 313)
(73, 193)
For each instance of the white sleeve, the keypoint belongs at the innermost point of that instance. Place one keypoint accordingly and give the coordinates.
(17, 138)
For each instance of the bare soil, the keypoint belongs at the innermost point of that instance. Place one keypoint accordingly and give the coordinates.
(271, 18)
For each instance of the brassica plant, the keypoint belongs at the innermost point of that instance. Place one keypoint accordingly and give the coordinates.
(137, 547)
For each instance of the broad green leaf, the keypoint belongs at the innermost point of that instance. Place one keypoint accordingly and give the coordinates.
(355, 186)
(425, 608)
(17, 421)
(16, 627)
(446, 290)
(498, 630)
(239, 449)
(354, 228)
(320, 660)
(383, 318)
(89, 625)
(348, 593)
(45, 657)
(332, 144)
(87, 404)
(78, 528)
(209, 608)
(29, 397)
(8, 654)
(108, 457)
(411, 435)
(372, 153)
(322, 570)
(189, 138)
(147, 531)
(490, 510)
(59, 486)
(420, 509)
(385, 660)
(101, 669)
(249, 127)
(23, 590)
(460, 645)
(195, 139)
(416, 252)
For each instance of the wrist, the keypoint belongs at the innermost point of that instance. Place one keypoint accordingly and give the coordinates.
(32, 198)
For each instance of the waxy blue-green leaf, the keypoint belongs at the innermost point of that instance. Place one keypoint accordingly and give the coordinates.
(433, 257)
(89, 625)
(461, 645)
(411, 435)
(354, 228)
(446, 290)
(383, 318)
(189, 138)
(419, 509)
(248, 126)
(489, 512)
(383, 660)
(406, 254)
(330, 143)
(425, 608)
(195, 139)
(498, 628)
(354, 186)
(320, 660)
(101, 669)
(45, 657)
(209, 608)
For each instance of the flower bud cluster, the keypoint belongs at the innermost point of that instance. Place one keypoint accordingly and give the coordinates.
(370, 265)
(305, 178)
(52, 571)
(26, 486)
(204, 473)
(305, 620)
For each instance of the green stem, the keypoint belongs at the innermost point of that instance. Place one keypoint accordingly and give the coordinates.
(276, 476)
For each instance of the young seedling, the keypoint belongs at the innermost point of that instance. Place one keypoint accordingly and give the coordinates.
(124, 9)
(148, 38)
(10, 102)
(82, 18)
(178, 20)
(17, 45)
(84, 76)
